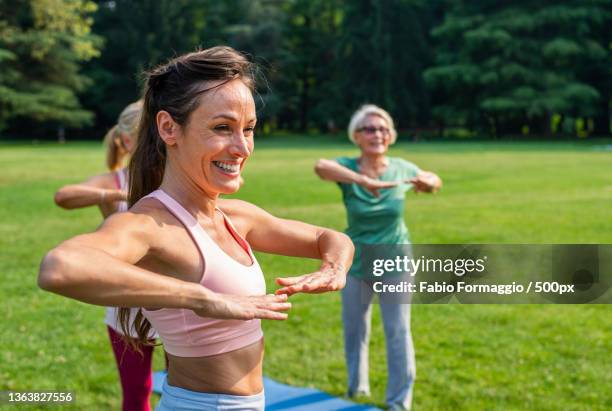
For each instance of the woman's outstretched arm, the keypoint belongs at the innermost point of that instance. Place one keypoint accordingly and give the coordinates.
(270, 234)
(98, 268)
(333, 171)
(98, 190)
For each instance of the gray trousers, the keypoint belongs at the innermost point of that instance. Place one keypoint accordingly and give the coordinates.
(356, 317)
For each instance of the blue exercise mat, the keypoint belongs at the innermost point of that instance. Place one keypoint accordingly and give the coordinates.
(158, 381)
(285, 397)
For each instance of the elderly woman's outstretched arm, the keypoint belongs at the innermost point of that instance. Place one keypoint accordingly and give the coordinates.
(331, 170)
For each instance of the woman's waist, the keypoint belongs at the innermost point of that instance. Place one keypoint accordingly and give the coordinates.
(237, 372)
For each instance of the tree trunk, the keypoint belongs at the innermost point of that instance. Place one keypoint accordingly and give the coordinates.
(603, 118)
(61, 134)
(304, 101)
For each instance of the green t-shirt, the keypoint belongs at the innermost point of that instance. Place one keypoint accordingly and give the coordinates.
(377, 220)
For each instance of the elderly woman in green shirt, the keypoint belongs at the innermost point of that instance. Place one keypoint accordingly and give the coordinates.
(373, 190)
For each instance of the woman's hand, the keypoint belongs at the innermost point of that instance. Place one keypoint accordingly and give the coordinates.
(373, 185)
(236, 307)
(326, 279)
(426, 182)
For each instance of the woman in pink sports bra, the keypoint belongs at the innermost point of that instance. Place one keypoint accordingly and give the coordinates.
(108, 191)
(186, 255)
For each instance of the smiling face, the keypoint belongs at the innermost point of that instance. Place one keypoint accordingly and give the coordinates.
(373, 136)
(213, 146)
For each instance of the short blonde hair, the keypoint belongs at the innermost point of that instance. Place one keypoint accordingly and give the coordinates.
(370, 110)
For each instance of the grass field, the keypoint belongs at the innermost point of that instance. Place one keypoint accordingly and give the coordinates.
(469, 357)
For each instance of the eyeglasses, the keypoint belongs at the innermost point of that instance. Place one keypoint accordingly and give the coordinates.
(372, 130)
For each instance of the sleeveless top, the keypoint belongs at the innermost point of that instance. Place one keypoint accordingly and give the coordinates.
(121, 181)
(183, 332)
(376, 220)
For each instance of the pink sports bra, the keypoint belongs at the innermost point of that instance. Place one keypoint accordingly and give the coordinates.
(183, 332)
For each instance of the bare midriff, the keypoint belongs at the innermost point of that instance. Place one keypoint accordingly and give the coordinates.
(237, 372)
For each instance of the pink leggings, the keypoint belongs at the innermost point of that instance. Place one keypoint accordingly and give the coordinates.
(134, 372)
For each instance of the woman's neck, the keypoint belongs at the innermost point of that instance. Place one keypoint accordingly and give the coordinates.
(179, 186)
(374, 162)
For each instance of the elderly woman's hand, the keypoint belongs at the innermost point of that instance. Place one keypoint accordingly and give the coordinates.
(373, 185)
(426, 182)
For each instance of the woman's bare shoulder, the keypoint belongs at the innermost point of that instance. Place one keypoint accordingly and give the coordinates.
(244, 215)
(147, 217)
(128, 235)
(151, 211)
(238, 208)
(146, 230)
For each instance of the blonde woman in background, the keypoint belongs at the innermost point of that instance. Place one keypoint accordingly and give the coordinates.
(109, 192)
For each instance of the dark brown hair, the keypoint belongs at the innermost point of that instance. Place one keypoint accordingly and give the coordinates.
(175, 87)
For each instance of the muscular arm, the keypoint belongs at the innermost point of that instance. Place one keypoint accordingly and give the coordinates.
(98, 268)
(98, 190)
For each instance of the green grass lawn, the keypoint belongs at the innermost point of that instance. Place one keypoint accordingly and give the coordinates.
(469, 357)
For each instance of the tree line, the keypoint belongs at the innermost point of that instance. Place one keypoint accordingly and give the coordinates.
(441, 67)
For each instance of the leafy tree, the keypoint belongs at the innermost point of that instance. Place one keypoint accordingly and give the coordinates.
(42, 46)
(506, 64)
(138, 35)
(384, 50)
(498, 65)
